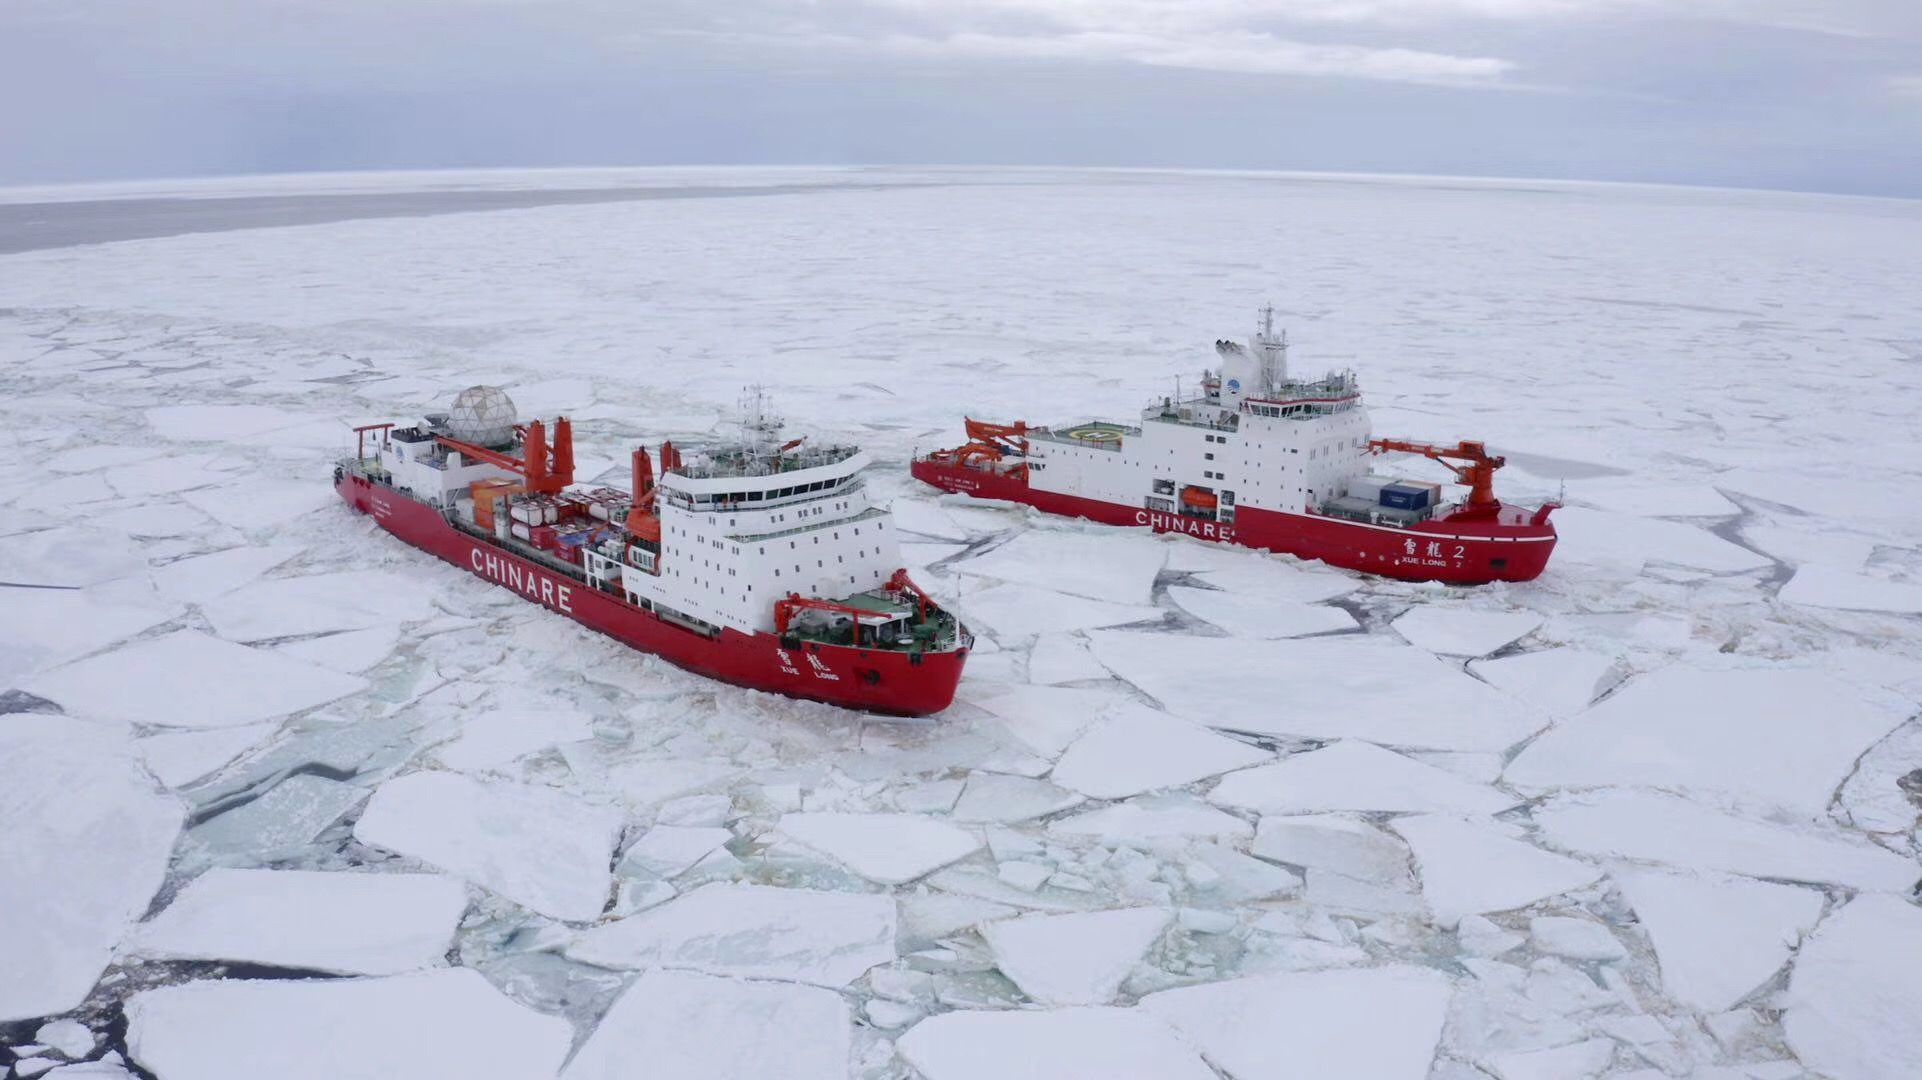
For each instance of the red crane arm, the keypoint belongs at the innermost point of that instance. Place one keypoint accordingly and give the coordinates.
(1476, 469)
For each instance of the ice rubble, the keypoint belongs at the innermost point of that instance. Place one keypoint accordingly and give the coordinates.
(1717, 939)
(1855, 997)
(1073, 959)
(1388, 693)
(1382, 1022)
(888, 848)
(1667, 829)
(1471, 867)
(449, 1022)
(1782, 737)
(753, 931)
(539, 847)
(1136, 749)
(188, 679)
(678, 1025)
(1355, 775)
(85, 849)
(1258, 616)
(1456, 631)
(1055, 1044)
(332, 921)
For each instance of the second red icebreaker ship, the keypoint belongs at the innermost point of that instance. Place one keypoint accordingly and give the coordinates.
(1266, 461)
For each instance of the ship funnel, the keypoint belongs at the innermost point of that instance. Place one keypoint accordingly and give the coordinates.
(534, 453)
(643, 473)
(564, 450)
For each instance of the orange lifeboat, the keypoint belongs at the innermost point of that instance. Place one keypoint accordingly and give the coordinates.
(1199, 499)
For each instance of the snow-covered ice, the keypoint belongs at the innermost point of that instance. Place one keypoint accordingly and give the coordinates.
(1137, 749)
(1073, 959)
(536, 846)
(1457, 631)
(188, 679)
(1258, 616)
(682, 1025)
(669, 850)
(1055, 1044)
(1355, 775)
(1471, 867)
(1100, 564)
(754, 931)
(178, 758)
(1011, 611)
(317, 604)
(1816, 585)
(1560, 682)
(1152, 820)
(999, 797)
(447, 1023)
(336, 922)
(1717, 938)
(1855, 998)
(888, 848)
(1380, 1022)
(84, 850)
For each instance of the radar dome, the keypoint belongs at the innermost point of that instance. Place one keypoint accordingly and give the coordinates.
(484, 416)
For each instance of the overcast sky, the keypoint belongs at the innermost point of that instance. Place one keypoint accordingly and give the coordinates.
(1803, 94)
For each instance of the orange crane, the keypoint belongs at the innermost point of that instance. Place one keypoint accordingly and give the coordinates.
(1476, 469)
(534, 462)
(793, 604)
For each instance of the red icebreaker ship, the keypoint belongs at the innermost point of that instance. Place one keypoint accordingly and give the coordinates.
(1265, 461)
(758, 562)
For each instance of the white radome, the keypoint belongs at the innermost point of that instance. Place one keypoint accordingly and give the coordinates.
(484, 416)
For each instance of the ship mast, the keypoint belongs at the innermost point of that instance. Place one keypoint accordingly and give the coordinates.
(1272, 351)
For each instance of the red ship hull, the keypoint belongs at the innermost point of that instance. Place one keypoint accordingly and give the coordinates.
(1507, 546)
(881, 681)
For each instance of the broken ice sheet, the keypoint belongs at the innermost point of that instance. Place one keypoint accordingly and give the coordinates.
(188, 679)
(1625, 541)
(1456, 631)
(318, 604)
(680, 1025)
(1136, 749)
(1779, 737)
(1073, 959)
(281, 823)
(1052, 1044)
(1816, 585)
(1107, 565)
(1471, 867)
(753, 931)
(47, 627)
(539, 847)
(1717, 938)
(448, 1022)
(341, 922)
(888, 848)
(1355, 775)
(1259, 616)
(998, 797)
(1152, 821)
(1559, 682)
(1011, 612)
(1855, 996)
(1062, 658)
(179, 758)
(667, 851)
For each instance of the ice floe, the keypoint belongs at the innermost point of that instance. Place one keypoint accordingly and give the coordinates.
(1337, 844)
(888, 848)
(1073, 959)
(178, 758)
(1383, 1023)
(200, 578)
(1559, 682)
(1355, 775)
(1716, 938)
(753, 931)
(1062, 658)
(1136, 750)
(998, 797)
(1855, 997)
(85, 849)
(492, 737)
(1473, 867)
(1011, 612)
(339, 922)
(1816, 585)
(188, 679)
(1665, 828)
(1625, 541)
(1259, 616)
(1455, 631)
(317, 604)
(1154, 820)
(541, 848)
(670, 850)
(1056, 1044)
(449, 1023)
(1782, 737)
(47, 627)
(1106, 565)
(681, 1025)
(1337, 687)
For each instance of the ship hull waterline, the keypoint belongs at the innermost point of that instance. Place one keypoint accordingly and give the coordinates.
(1456, 552)
(870, 680)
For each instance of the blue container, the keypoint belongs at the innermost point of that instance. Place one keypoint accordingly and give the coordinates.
(1404, 497)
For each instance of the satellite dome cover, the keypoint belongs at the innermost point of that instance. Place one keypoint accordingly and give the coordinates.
(484, 416)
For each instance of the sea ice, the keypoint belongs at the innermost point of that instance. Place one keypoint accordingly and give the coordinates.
(70, 1039)
(187, 679)
(1355, 775)
(1336, 844)
(1601, 538)
(1717, 939)
(1062, 658)
(1816, 585)
(1053, 1044)
(1782, 737)
(668, 851)
(681, 1025)
(258, 504)
(1045, 719)
(1073, 959)
(1570, 1061)
(755, 931)
(351, 651)
(46, 627)
(1455, 631)
(281, 823)
(1649, 498)
(1105, 565)
(539, 847)
(1576, 939)
(1382, 1023)
(1137, 749)
(317, 604)
(1259, 616)
(200, 578)
(219, 423)
(1665, 828)
(1152, 821)
(1855, 997)
(85, 849)
(1276, 579)
(445, 1023)
(340, 922)
(998, 797)
(1473, 867)
(1559, 682)
(888, 848)
(179, 758)
(490, 738)
(1338, 687)
(1011, 612)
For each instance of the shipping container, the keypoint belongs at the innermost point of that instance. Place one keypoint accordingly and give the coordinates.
(520, 531)
(1400, 496)
(1369, 487)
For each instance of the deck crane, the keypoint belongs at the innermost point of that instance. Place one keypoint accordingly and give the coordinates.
(547, 471)
(1476, 469)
